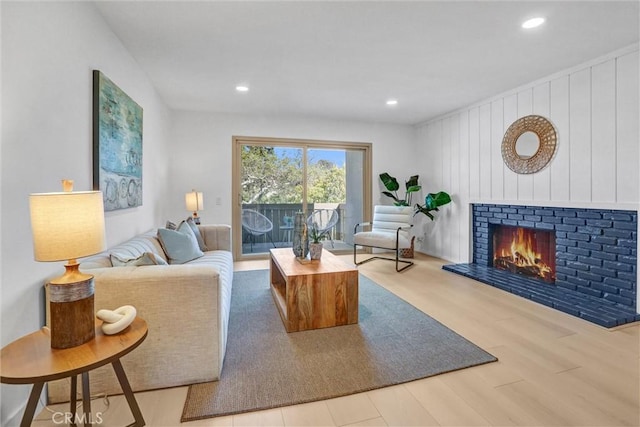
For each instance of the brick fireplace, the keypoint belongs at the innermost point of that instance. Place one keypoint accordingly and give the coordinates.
(579, 261)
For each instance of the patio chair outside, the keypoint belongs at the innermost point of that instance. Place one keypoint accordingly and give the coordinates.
(324, 220)
(256, 224)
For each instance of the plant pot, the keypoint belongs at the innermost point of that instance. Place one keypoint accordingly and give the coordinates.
(315, 250)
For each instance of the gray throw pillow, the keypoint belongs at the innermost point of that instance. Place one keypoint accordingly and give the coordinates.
(196, 232)
(147, 258)
(179, 245)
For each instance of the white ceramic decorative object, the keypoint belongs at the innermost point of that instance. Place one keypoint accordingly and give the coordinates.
(117, 320)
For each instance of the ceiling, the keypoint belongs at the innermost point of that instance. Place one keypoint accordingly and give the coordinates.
(343, 60)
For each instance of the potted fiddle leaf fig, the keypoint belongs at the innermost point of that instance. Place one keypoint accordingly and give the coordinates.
(392, 185)
(431, 202)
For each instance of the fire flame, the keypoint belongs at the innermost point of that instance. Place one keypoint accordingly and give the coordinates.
(522, 254)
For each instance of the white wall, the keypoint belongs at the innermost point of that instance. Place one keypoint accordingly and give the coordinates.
(202, 155)
(49, 50)
(594, 108)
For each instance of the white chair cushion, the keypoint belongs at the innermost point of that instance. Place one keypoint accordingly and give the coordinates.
(381, 239)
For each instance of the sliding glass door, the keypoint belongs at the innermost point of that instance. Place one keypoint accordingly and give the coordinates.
(276, 178)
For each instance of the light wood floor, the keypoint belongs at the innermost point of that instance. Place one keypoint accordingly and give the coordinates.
(553, 369)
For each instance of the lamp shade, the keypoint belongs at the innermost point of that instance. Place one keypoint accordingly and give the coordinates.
(67, 225)
(194, 201)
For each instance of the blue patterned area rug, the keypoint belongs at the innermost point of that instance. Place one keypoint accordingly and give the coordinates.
(265, 367)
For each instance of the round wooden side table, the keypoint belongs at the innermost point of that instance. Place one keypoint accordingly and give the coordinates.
(31, 360)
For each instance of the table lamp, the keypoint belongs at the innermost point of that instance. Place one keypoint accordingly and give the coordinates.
(66, 226)
(195, 202)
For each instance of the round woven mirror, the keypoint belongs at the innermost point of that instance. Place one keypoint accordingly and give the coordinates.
(529, 144)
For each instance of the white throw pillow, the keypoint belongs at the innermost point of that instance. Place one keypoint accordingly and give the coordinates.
(147, 258)
(179, 245)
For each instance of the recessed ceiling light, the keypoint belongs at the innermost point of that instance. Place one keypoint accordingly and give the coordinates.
(533, 23)
(392, 102)
(242, 88)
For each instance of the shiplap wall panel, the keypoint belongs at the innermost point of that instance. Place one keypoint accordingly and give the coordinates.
(603, 132)
(525, 181)
(580, 135)
(485, 151)
(627, 177)
(542, 179)
(510, 177)
(595, 112)
(474, 153)
(463, 196)
(454, 215)
(560, 166)
(497, 164)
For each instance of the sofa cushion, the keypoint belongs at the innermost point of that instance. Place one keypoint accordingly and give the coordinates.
(132, 248)
(179, 245)
(147, 258)
(196, 232)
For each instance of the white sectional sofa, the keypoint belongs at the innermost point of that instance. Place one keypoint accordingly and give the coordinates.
(186, 308)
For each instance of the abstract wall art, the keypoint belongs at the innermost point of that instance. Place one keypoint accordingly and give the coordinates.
(117, 145)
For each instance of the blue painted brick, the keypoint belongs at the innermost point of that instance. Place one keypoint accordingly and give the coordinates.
(589, 214)
(480, 208)
(579, 236)
(510, 210)
(629, 277)
(606, 272)
(526, 224)
(589, 291)
(578, 251)
(566, 242)
(561, 234)
(495, 221)
(625, 225)
(600, 223)
(593, 278)
(590, 245)
(567, 271)
(544, 226)
(525, 211)
(620, 250)
(500, 215)
(565, 227)
(486, 214)
(590, 261)
(517, 217)
(565, 284)
(560, 276)
(561, 248)
(544, 212)
(566, 256)
(605, 288)
(552, 220)
(565, 213)
(594, 231)
(542, 300)
(618, 283)
(482, 219)
(628, 294)
(627, 259)
(620, 299)
(618, 266)
(510, 222)
(561, 262)
(599, 320)
(573, 221)
(578, 281)
(534, 218)
(577, 265)
(604, 240)
(495, 209)
(624, 234)
(615, 216)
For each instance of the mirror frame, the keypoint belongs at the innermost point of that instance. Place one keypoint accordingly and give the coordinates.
(547, 136)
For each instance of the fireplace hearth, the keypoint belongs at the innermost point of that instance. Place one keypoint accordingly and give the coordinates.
(590, 255)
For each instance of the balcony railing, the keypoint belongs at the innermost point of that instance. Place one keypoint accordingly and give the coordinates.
(282, 232)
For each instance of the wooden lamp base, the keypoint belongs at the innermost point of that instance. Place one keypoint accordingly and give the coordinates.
(71, 308)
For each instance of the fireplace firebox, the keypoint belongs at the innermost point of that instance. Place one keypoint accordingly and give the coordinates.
(524, 251)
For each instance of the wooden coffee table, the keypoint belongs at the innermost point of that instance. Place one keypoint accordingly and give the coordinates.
(319, 294)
